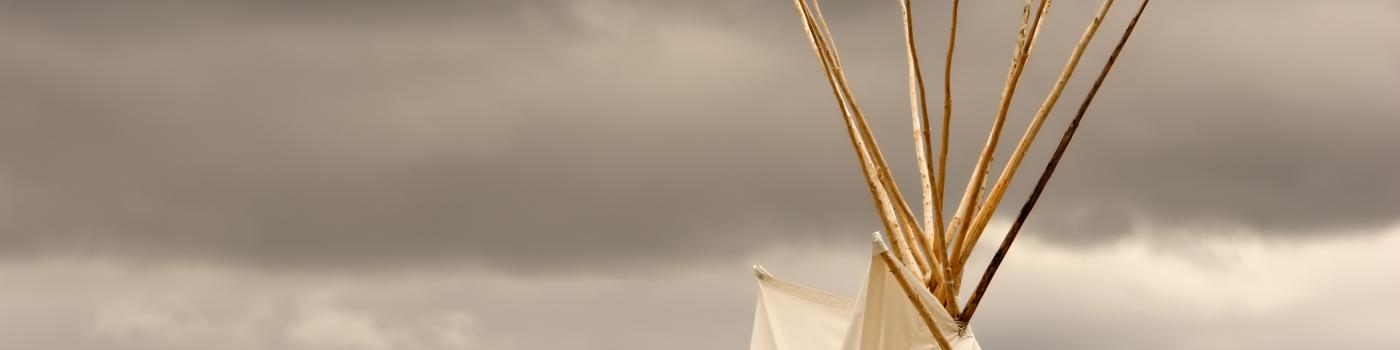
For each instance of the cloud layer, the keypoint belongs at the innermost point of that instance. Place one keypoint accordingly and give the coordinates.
(1131, 295)
(550, 174)
(616, 131)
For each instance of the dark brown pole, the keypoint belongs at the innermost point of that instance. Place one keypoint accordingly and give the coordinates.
(1045, 176)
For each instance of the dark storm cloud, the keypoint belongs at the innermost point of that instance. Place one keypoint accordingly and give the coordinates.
(523, 133)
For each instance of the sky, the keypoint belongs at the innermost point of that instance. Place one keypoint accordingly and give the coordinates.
(601, 174)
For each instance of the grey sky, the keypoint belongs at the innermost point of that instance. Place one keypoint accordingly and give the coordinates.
(276, 146)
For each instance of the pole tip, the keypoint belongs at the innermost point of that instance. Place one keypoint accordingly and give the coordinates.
(761, 273)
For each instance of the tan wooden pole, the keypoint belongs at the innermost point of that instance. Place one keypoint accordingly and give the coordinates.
(979, 172)
(908, 222)
(989, 207)
(819, 47)
(947, 120)
(943, 287)
(919, 305)
(879, 179)
(907, 230)
(934, 245)
(1050, 167)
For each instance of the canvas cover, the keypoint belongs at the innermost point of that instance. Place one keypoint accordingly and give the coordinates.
(794, 317)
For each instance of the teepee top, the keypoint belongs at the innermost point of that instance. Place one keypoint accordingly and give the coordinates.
(926, 253)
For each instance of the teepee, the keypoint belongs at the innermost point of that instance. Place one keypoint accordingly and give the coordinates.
(909, 299)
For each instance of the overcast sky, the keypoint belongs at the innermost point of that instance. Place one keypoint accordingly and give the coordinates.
(600, 174)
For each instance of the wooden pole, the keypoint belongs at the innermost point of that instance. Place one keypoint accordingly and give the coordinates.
(989, 206)
(934, 246)
(919, 305)
(1049, 171)
(943, 288)
(879, 180)
(911, 232)
(819, 47)
(947, 120)
(979, 172)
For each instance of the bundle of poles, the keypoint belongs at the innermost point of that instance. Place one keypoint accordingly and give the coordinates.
(934, 249)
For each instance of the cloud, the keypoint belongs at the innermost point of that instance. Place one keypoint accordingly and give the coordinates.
(575, 135)
(1132, 294)
(1228, 293)
(101, 304)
